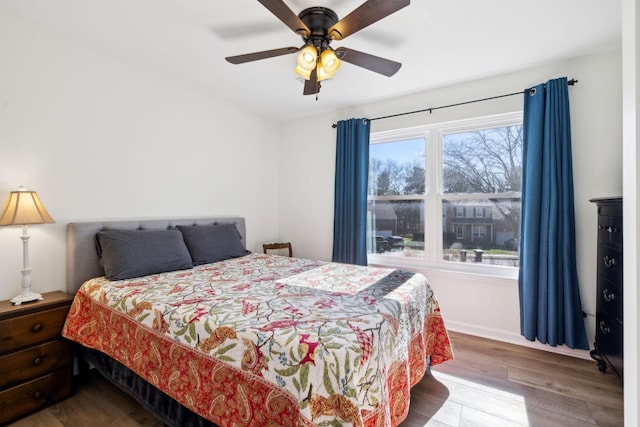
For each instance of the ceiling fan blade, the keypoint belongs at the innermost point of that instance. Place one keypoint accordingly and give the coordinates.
(286, 15)
(255, 56)
(312, 86)
(366, 14)
(370, 62)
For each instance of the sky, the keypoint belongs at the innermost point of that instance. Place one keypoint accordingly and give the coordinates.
(406, 151)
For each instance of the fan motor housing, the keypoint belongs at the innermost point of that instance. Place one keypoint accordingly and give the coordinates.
(318, 20)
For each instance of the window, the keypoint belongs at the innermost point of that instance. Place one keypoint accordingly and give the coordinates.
(440, 191)
(479, 231)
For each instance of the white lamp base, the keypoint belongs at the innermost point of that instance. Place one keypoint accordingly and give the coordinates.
(26, 296)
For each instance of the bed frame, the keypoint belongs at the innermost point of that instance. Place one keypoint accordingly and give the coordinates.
(83, 264)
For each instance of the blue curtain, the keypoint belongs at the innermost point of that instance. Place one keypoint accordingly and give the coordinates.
(550, 307)
(350, 208)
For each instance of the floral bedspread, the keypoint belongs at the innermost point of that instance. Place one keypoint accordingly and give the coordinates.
(266, 340)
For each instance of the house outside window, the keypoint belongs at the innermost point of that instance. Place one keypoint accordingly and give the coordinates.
(441, 191)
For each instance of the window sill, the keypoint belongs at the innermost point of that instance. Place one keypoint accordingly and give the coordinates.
(451, 269)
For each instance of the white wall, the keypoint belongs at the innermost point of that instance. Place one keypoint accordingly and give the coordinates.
(99, 138)
(484, 306)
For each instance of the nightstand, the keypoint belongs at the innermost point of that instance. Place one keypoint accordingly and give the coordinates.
(36, 363)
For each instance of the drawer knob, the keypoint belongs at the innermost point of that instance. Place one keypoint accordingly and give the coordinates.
(37, 327)
(37, 361)
(604, 328)
(609, 262)
(608, 296)
(37, 395)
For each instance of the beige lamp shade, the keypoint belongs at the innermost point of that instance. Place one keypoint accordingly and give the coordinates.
(23, 208)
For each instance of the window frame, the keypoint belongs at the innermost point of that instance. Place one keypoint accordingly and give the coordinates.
(433, 196)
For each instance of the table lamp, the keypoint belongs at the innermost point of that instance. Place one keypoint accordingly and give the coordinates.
(23, 208)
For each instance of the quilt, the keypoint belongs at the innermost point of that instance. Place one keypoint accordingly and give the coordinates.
(266, 340)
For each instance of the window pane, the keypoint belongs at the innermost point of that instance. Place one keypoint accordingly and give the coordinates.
(397, 167)
(489, 239)
(396, 227)
(482, 161)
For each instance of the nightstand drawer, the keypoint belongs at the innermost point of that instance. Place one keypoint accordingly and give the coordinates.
(32, 362)
(34, 395)
(31, 328)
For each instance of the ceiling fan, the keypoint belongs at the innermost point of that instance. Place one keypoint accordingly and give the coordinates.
(318, 27)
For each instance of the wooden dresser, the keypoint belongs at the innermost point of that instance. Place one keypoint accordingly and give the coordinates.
(36, 363)
(608, 345)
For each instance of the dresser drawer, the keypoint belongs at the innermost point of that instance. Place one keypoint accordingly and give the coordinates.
(610, 210)
(610, 263)
(610, 230)
(609, 341)
(33, 362)
(609, 298)
(34, 395)
(32, 328)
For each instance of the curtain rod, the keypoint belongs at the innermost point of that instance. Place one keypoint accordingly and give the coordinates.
(430, 110)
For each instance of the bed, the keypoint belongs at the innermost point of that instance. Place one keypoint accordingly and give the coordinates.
(226, 337)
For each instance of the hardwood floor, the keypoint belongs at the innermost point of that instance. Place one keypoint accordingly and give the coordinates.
(489, 383)
(496, 384)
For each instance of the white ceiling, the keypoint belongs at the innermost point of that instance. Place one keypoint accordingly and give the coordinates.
(438, 42)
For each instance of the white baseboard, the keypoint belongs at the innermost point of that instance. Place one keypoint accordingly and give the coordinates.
(511, 338)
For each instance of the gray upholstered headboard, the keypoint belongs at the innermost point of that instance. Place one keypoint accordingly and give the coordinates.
(82, 257)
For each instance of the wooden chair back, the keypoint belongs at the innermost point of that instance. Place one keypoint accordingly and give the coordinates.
(274, 246)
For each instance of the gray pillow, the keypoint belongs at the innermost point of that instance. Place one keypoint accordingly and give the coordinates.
(212, 243)
(125, 254)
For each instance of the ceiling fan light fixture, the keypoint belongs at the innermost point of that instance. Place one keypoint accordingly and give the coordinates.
(318, 26)
(329, 64)
(323, 75)
(305, 74)
(306, 61)
(329, 61)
